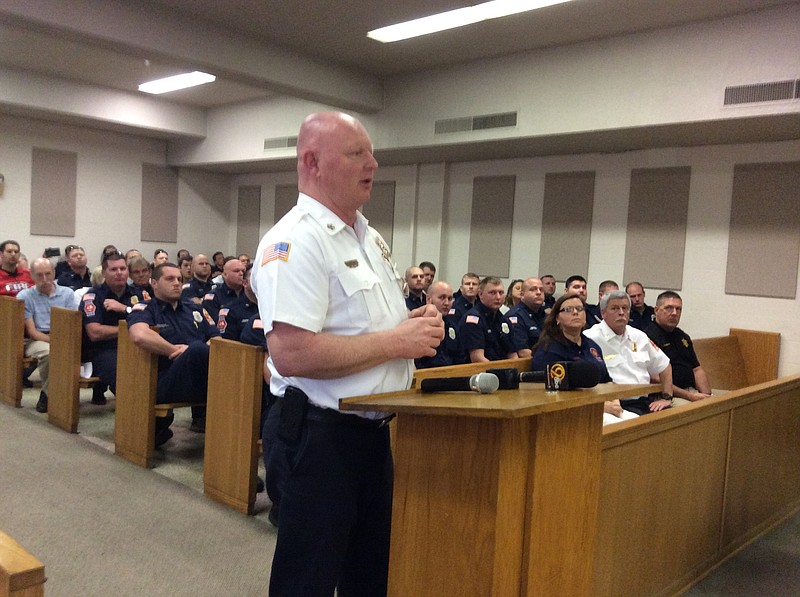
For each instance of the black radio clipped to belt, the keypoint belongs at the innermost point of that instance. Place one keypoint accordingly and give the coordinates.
(293, 408)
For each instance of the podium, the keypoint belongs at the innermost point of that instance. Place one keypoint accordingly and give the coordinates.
(495, 494)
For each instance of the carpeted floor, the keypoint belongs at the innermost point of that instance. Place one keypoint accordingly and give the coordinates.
(103, 526)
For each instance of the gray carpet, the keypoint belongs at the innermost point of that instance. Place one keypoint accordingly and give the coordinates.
(103, 526)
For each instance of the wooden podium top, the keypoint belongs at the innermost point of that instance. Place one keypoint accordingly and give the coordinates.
(529, 400)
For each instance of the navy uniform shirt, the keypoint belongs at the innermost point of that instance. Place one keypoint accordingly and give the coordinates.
(593, 315)
(526, 325)
(70, 279)
(221, 296)
(677, 345)
(483, 328)
(146, 290)
(186, 323)
(196, 289)
(640, 321)
(549, 301)
(232, 320)
(415, 302)
(93, 311)
(556, 352)
(253, 332)
(462, 305)
(449, 351)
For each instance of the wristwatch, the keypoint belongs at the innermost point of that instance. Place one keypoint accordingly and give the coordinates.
(665, 396)
(128, 309)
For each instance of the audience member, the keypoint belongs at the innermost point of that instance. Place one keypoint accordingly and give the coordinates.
(563, 339)
(96, 279)
(464, 299)
(183, 254)
(593, 315)
(449, 351)
(217, 262)
(62, 266)
(689, 380)
(630, 356)
(185, 265)
(38, 300)
(13, 278)
(430, 273)
(233, 319)
(513, 295)
(103, 307)
(227, 293)
(549, 283)
(130, 255)
(527, 318)
(182, 345)
(195, 289)
(415, 284)
(160, 256)
(139, 271)
(642, 314)
(485, 332)
(245, 259)
(77, 275)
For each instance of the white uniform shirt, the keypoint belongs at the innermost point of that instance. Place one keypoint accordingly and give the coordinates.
(315, 272)
(631, 357)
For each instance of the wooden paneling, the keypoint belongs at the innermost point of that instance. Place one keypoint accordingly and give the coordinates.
(760, 352)
(722, 360)
(660, 500)
(12, 349)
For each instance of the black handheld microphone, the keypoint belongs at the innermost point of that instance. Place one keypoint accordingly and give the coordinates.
(485, 383)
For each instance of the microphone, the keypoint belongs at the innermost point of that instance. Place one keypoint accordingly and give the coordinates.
(485, 383)
(570, 375)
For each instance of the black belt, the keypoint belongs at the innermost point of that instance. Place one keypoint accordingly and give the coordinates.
(334, 417)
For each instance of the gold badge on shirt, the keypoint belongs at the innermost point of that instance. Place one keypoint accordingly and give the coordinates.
(351, 263)
(387, 255)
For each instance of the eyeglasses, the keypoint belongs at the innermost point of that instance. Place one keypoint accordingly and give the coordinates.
(578, 309)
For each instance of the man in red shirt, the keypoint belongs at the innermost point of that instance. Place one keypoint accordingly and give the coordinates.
(12, 278)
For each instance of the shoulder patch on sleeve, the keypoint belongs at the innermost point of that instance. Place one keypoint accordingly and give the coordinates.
(473, 319)
(208, 317)
(209, 297)
(276, 251)
(139, 307)
(258, 324)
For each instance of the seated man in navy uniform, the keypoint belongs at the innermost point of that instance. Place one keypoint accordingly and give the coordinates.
(642, 314)
(466, 296)
(689, 380)
(549, 283)
(485, 332)
(229, 292)
(233, 320)
(527, 318)
(181, 344)
(200, 285)
(415, 284)
(449, 352)
(103, 307)
(593, 315)
(76, 275)
(139, 270)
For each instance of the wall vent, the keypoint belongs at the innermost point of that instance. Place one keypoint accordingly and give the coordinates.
(762, 92)
(475, 123)
(280, 142)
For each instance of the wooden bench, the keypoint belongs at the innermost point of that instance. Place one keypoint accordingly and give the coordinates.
(683, 489)
(66, 326)
(21, 574)
(12, 349)
(232, 418)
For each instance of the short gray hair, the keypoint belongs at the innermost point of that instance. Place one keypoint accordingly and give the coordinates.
(614, 295)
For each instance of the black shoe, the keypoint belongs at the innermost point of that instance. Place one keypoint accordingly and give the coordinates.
(163, 436)
(198, 425)
(26, 383)
(99, 395)
(260, 485)
(273, 516)
(41, 406)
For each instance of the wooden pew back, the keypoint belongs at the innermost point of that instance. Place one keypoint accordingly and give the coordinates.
(134, 419)
(65, 368)
(21, 574)
(235, 380)
(12, 349)
(744, 358)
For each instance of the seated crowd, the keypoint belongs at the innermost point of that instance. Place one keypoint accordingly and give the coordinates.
(626, 339)
(180, 300)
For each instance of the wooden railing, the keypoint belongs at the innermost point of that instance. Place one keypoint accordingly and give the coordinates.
(21, 574)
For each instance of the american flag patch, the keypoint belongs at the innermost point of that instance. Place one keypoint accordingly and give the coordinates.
(473, 319)
(276, 251)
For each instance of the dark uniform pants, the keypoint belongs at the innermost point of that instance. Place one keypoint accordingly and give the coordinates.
(104, 366)
(335, 485)
(187, 379)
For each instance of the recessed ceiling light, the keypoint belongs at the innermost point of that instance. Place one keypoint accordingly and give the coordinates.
(177, 82)
(457, 18)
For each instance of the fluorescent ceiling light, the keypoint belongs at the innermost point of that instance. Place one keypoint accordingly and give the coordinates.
(457, 18)
(177, 82)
